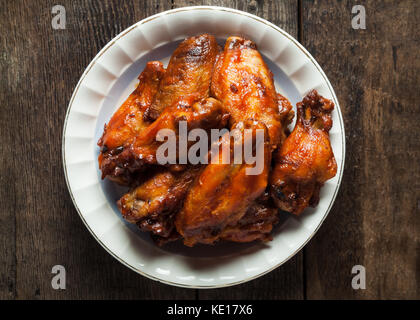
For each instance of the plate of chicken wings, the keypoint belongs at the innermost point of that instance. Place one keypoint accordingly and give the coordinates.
(203, 147)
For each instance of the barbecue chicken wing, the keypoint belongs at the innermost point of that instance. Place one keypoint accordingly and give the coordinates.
(205, 114)
(152, 205)
(244, 84)
(305, 160)
(183, 95)
(126, 123)
(185, 82)
(188, 74)
(256, 224)
(222, 193)
(262, 215)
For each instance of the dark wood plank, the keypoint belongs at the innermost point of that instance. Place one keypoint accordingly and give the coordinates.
(375, 219)
(285, 282)
(41, 67)
(8, 174)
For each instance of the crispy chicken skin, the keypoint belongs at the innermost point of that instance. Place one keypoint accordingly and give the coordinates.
(223, 192)
(205, 114)
(244, 84)
(126, 123)
(305, 160)
(188, 74)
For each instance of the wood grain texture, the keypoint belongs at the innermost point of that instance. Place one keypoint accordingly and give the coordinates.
(375, 218)
(8, 174)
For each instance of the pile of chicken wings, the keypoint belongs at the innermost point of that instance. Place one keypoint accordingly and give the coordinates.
(211, 88)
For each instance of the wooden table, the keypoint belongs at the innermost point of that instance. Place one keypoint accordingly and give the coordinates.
(375, 219)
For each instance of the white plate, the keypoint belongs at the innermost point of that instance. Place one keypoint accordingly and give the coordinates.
(107, 82)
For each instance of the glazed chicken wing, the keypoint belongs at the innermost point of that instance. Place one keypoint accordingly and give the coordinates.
(183, 95)
(205, 114)
(256, 224)
(223, 192)
(160, 194)
(126, 123)
(152, 205)
(188, 74)
(185, 82)
(244, 84)
(305, 160)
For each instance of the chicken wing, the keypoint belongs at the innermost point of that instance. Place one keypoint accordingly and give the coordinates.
(152, 205)
(256, 224)
(305, 160)
(188, 74)
(186, 81)
(161, 194)
(223, 192)
(126, 123)
(205, 114)
(244, 84)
